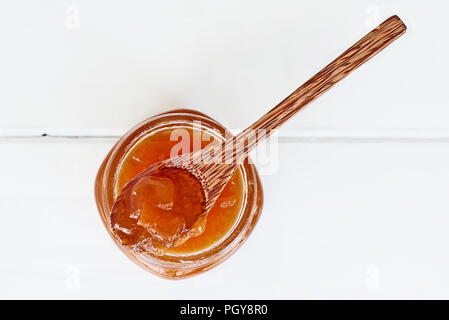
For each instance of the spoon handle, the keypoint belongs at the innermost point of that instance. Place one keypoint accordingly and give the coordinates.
(351, 59)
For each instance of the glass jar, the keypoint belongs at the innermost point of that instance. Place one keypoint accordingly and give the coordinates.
(169, 265)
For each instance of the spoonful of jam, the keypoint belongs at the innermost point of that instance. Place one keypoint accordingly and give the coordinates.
(168, 203)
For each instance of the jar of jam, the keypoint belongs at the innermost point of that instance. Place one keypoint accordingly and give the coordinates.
(229, 222)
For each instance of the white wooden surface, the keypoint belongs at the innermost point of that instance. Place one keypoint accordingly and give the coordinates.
(357, 207)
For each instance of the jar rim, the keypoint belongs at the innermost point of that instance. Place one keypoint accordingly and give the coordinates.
(175, 266)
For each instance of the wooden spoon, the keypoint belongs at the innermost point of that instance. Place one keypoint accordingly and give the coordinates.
(203, 174)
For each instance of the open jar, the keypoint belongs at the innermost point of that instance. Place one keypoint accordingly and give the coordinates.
(230, 221)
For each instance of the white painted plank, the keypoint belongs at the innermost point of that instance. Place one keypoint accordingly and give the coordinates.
(100, 66)
(341, 220)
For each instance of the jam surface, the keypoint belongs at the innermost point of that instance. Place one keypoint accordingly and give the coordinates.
(175, 200)
(160, 209)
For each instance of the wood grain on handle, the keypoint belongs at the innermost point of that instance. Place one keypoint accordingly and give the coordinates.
(215, 164)
(351, 59)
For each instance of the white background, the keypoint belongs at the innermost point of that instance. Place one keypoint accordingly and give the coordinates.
(357, 208)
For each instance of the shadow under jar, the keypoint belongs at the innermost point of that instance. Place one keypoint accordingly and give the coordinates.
(230, 221)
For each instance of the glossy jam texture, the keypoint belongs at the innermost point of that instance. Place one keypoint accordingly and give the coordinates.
(160, 209)
(169, 212)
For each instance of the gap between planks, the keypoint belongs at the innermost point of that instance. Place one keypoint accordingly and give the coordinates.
(333, 135)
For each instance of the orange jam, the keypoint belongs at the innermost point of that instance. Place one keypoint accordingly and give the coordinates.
(173, 202)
